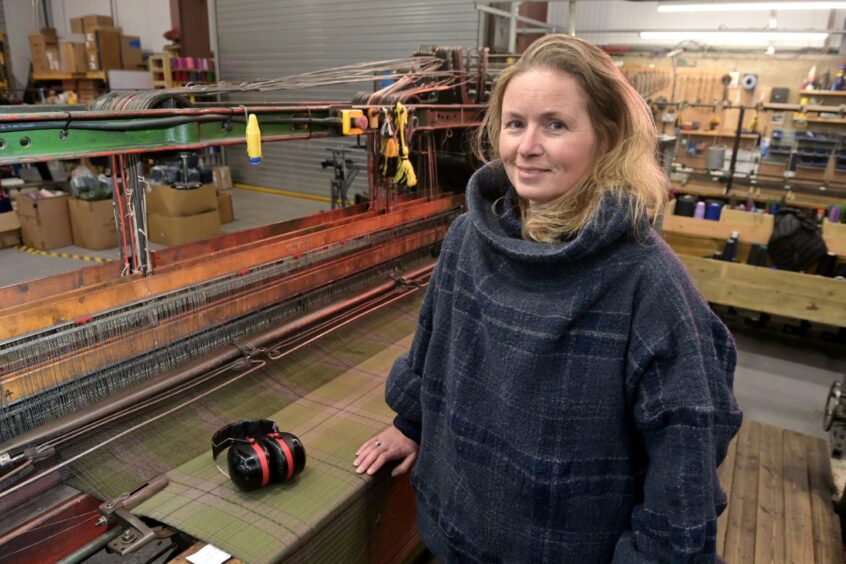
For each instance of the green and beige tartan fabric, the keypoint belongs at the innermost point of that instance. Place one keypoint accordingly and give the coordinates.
(327, 514)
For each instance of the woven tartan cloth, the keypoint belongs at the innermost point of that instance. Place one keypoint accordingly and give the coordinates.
(329, 513)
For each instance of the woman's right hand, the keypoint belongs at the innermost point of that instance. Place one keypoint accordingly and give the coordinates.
(388, 445)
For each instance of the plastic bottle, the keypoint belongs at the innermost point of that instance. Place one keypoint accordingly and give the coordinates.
(699, 212)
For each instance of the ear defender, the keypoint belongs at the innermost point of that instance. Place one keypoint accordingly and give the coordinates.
(259, 454)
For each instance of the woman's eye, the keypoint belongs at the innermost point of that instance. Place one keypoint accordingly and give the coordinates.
(555, 124)
(513, 124)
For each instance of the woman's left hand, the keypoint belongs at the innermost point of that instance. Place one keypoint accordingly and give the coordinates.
(388, 445)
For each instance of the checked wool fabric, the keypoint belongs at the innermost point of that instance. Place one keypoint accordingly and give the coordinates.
(328, 513)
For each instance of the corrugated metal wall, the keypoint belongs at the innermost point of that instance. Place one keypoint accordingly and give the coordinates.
(272, 38)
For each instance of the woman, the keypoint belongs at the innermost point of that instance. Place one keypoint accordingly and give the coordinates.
(568, 394)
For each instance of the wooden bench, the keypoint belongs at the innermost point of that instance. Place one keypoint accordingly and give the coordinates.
(780, 508)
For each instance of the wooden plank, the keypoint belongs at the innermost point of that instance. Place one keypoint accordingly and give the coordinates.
(757, 232)
(795, 199)
(798, 538)
(728, 134)
(792, 294)
(726, 475)
(825, 525)
(740, 533)
(769, 535)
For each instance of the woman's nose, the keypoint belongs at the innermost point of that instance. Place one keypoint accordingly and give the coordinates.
(530, 143)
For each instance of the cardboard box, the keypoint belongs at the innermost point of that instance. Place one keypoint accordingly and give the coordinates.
(45, 222)
(46, 36)
(165, 200)
(10, 229)
(102, 49)
(171, 230)
(73, 57)
(224, 206)
(130, 52)
(93, 22)
(93, 224)
(222, 177)
(76, 25)
(44, 48)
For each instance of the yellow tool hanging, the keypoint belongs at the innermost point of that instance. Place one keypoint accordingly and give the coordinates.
(405, 172)
(389, 150)
(253, 140)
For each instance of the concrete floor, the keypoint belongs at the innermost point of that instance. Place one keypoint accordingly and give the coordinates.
(780, 380)
(785, 381)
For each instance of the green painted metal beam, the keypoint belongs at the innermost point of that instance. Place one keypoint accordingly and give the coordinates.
(39, 137)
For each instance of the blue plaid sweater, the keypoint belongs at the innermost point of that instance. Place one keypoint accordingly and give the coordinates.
(572, 401)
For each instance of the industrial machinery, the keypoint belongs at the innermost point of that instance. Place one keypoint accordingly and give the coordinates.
(113, 377)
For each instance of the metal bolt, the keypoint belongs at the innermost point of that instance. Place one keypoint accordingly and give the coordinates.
(102, 522)
(128, 535)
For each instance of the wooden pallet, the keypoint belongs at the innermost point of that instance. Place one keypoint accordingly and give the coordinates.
(780, 508)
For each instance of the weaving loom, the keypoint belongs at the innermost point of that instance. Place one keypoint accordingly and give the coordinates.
(113, 378)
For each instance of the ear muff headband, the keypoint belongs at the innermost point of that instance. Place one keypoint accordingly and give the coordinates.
(240, 431)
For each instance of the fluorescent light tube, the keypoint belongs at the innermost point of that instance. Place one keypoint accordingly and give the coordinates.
(749, 6)
(737, 37)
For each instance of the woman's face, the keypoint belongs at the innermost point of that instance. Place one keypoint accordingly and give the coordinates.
(547, 141)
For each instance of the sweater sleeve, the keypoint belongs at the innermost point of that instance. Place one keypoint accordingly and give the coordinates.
(402, 391)
(686, 414)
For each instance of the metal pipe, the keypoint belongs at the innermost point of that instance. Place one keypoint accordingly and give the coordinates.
(519, 18)
(734, 149)
(512, 27)
(87, 551)
(571, 19)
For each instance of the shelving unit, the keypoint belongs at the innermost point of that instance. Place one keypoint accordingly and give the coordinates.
(709, 133)
(159, 66)
(94, 75)
(823, 93)
(167, 74)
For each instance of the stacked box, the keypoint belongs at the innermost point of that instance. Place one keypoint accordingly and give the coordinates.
(175, 217)
(93, 224)
(102, 49)
(44, 47)
(130, 52)
(93, 22)
(45, 222)
(10, 229)
(73, 57)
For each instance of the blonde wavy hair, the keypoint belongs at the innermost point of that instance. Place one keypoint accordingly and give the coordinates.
(624, 128)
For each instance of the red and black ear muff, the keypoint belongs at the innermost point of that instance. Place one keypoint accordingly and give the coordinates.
(287, 455)
(258, 453)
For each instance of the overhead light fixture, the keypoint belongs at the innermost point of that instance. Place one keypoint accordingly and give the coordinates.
(740, 38)
(748, 6)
